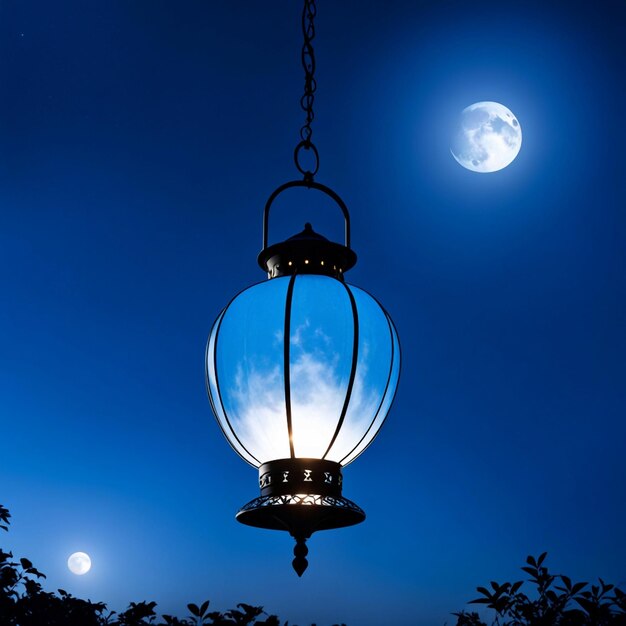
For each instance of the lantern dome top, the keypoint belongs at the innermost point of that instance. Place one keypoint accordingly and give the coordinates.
(307, 252)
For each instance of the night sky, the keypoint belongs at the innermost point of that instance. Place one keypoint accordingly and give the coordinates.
(138, 144)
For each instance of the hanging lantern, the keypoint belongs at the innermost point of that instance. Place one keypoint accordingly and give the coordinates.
(302, 370)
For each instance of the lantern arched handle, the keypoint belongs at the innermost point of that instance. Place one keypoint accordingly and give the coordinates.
(309, 184)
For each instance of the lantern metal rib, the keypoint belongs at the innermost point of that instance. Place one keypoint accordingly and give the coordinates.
(208, 384)
(286, 369)
(219, 392)
(384, 395)
(355, 356)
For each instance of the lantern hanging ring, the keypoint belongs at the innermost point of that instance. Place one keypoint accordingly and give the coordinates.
(309, 147)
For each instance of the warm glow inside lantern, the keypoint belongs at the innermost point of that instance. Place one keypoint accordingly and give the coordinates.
(301, 373)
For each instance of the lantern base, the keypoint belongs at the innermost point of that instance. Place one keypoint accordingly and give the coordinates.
(300, 513)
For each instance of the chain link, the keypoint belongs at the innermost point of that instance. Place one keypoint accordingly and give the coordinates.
(309, 12)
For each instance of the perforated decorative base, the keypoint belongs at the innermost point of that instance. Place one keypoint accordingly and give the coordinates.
(300, 514)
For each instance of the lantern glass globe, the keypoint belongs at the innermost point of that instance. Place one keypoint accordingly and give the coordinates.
(302, 366)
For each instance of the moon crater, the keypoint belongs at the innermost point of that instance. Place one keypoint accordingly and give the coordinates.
(487, 138)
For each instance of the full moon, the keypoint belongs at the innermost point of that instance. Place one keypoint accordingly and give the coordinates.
(487, 138)
(79, 563)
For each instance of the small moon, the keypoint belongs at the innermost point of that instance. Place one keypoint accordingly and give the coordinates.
(79, 563)
(487, 138)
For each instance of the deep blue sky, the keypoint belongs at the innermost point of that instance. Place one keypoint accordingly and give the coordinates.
(138, 144)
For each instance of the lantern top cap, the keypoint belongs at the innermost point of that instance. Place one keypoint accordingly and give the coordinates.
(307, 252)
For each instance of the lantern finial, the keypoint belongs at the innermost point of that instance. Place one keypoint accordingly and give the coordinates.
(300, 551)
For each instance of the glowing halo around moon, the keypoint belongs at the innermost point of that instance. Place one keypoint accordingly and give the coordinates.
(79, 563)
(487, 138)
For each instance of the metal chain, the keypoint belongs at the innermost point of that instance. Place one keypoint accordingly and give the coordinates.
(309, 12)
(308, 64)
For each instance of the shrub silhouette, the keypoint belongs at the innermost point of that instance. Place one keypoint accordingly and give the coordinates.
(23, 602)
(556, 601)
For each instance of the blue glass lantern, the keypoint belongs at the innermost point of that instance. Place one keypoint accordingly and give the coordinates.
(301, 373)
